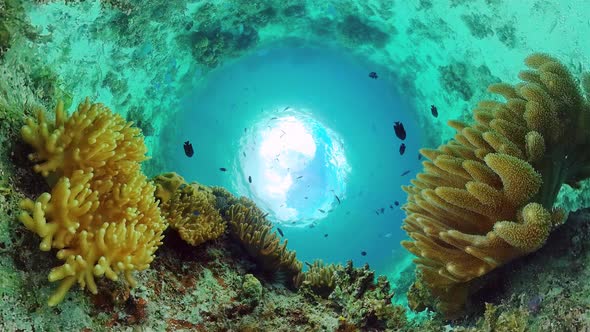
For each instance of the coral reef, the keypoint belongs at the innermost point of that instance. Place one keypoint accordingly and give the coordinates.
(189, 209)
(487, 196)
(319, 278)
(101, 214)
(355, 31)
(253, 230)
(364, 302)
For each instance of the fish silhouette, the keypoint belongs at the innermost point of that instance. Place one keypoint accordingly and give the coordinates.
(188, 149)
(400, 132)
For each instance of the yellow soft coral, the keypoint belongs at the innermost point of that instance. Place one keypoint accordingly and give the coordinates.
(190, 209)
(487, 196)
(93, 137)
(166, 185)
(101, 213)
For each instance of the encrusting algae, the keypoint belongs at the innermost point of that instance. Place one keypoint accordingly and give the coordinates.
(487, 196)
(101, 213)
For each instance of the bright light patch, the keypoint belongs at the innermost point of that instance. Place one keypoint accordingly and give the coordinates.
(297, 166)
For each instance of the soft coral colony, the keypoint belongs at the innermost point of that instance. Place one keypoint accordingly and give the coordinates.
(487, 197)
(101, 214)
(484, 199)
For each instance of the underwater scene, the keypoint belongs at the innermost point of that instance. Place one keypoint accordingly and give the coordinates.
(294, 165)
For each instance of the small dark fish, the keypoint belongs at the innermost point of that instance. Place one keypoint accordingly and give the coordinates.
(363, 253)
(286, 108)
(402, 149)
(280, 231)
(312, 226)
(196, 213)
(306, 263)
(249, 179)
(182, 186)
(396, 203)
(189, 25)
(326, 235)
(223, 169)
(188, 149)
(382, 210)
(244, 153)
(299, 177)
(399, 129)
(322, 211)
(305, 197)
(264, 215)
(373, 75)
(377, 212)
(434, 111)
(273, 118)
(419, 156)
(245, 129)
(405, 173)
(338, 199)
(391, 206)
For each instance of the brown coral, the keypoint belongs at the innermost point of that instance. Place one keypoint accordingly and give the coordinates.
(254, 232)
(487, 196)
(101, 213)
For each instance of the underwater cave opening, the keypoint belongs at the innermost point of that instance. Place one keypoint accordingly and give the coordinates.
(305, 133)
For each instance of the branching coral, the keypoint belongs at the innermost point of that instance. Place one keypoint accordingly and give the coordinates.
(487, 196)
(101, 213)
(190, 209)
(364, 302)
(254, 232)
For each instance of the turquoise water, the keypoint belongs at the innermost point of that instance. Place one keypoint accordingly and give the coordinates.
(332, 87)
(276, 99)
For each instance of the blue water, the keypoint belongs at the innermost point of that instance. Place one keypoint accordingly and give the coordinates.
(335, 88)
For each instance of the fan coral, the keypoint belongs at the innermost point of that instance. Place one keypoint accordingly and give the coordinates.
(101, 213)
(190, 210)
(254, 232)
(487, 196)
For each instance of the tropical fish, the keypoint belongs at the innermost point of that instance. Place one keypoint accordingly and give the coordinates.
(286, 108)
(391, 206)
(434, 111)
(264, 215)
(305, 197)
(244, 153)
(363, 253)
(306, 263)
(249, 179)
(382, 210)
(373, 75)
(188, 149)
(419, 156)
(400, 132)
(299, 177)
(223, 169)
(338, 199)
(326, 235)
(405, 173)
(396, 203)
(280, 231)
(402, 149)
(322, 211)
